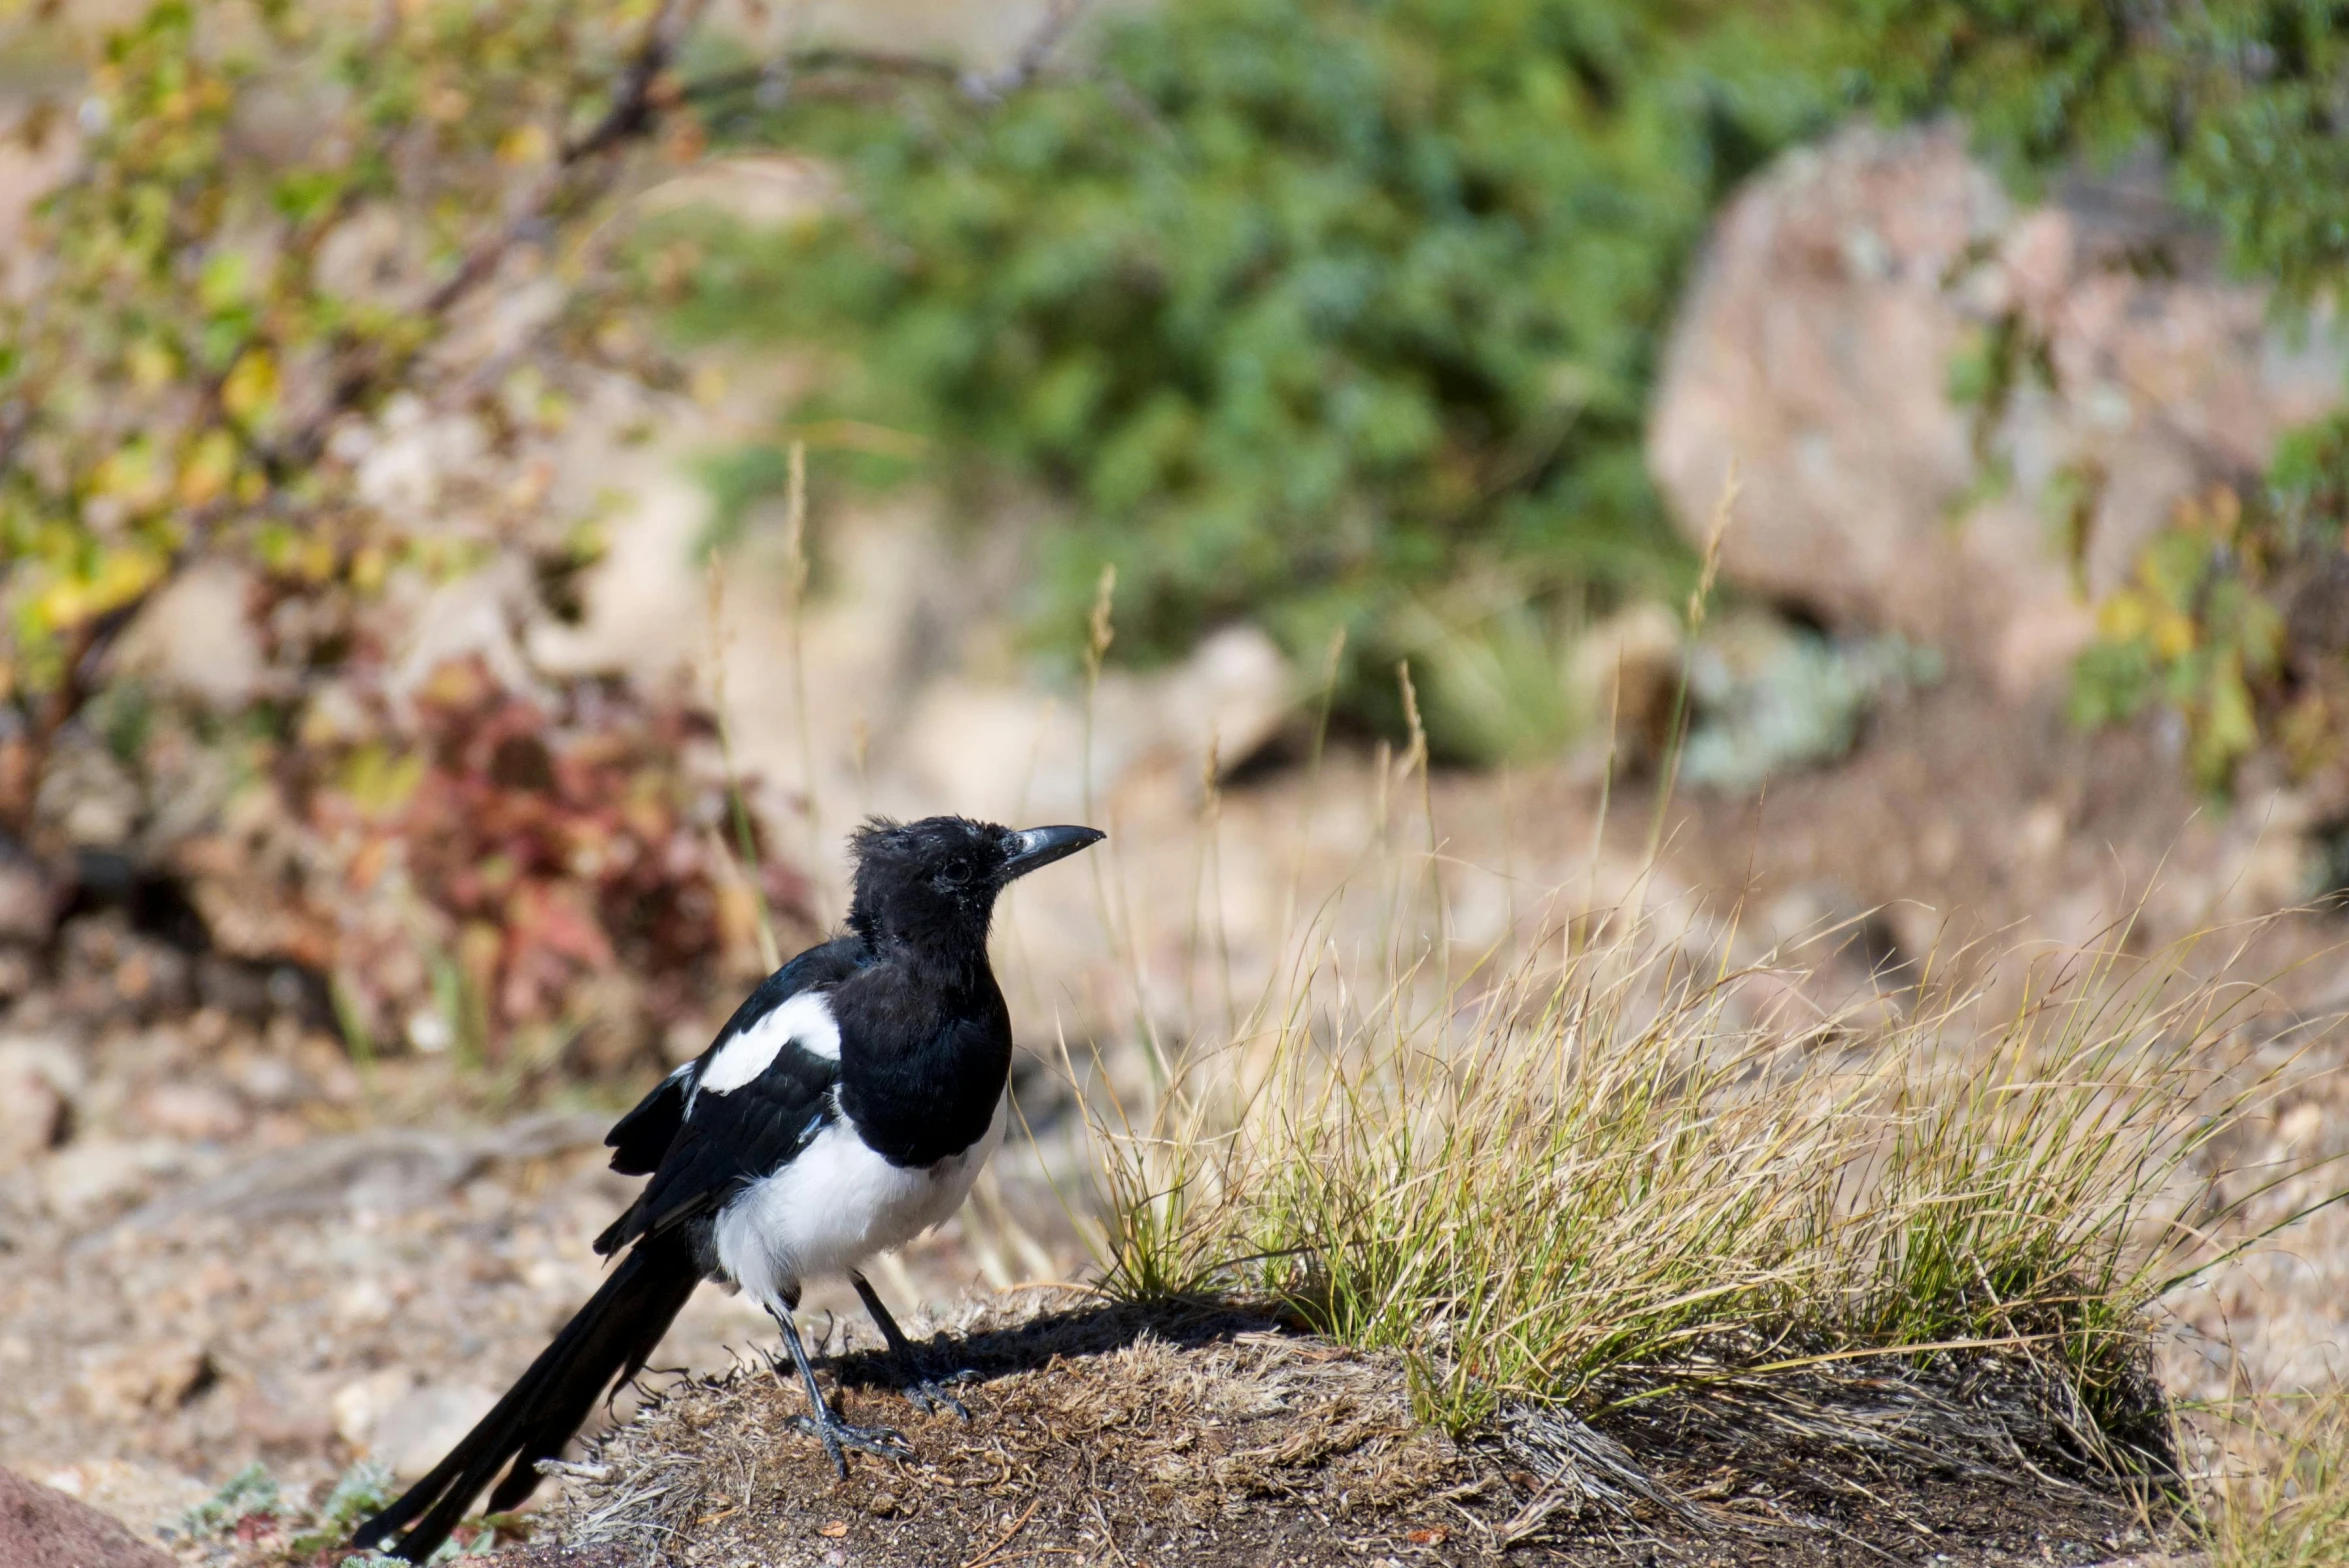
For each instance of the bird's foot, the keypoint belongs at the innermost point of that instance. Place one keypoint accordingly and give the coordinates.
(837, 1436)
(931, 1395)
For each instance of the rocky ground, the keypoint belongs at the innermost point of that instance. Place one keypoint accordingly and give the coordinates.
(229, 1243)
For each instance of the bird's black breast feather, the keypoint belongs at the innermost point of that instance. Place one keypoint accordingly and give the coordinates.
(698, 1162)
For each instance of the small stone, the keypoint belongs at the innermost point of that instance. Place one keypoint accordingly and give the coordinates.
(358, 1406)
(17, 972)
(1625, 675)
(28, 897)
(92, 1174)
(32, 1114)
(145, 1379)
(268, 1080)
(196, 1112)
(414, 1433)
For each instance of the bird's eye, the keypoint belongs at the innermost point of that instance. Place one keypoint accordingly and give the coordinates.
(954, 874)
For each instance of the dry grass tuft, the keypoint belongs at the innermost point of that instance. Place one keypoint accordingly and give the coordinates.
(1601, 1178)
(2290, 1508)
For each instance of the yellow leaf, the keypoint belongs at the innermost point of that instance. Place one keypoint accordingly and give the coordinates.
(211, 463)
(2173, 635)
(526, 144)
(2226, 510)
(131, 476)
(380, 782)
(250, 391)
(122, 576)
(152, 365)
(2123, 617)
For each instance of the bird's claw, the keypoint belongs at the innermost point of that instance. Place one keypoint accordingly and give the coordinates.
(932, 1395)
(837, 1435)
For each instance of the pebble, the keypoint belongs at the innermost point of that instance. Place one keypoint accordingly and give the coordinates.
(359, 1405)
(420, 1428)
(143, 1378)
(91, 1174)
(197, 1112)
(32, 1114)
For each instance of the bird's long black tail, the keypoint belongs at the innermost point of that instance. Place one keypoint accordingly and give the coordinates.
(605, 1342)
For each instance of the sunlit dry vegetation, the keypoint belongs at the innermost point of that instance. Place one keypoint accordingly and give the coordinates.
(1604, 1171)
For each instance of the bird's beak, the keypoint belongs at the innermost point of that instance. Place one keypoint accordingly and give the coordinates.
(1033, 847)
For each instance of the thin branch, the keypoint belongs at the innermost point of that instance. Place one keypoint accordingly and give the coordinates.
(636, 106)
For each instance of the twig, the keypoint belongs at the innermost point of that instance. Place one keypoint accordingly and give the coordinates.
(1033, 55)
(1093, 1498)
(635, 109)
(996, 1551)
(795, 575)
(1676, 735)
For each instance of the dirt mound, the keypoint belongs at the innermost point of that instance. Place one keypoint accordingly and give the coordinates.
(1217, 1435)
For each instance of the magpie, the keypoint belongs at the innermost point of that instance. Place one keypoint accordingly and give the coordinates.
(844, 1109)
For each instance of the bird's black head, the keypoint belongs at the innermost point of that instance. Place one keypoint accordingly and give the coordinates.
(933, 883)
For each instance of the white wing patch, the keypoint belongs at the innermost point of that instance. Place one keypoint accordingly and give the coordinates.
(804, 1020)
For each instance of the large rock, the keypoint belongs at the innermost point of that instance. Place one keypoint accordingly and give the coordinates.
(41, 1527)
(1815, 351)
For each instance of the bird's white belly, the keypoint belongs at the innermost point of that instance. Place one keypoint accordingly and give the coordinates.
(835, 1206)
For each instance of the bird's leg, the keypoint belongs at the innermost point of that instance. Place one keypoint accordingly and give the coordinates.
(823, 1422)
(924, 1393)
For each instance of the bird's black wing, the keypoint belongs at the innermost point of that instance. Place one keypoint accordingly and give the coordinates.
(700, 1148)
(641, 1138)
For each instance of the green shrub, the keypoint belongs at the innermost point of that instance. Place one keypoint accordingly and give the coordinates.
(2240, 99)
(1298, 309)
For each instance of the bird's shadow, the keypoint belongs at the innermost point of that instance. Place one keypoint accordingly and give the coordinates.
(1102, 1328)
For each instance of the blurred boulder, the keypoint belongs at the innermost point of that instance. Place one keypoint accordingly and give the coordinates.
(1229, 698)
(2112, 374)
(41, 1527)
(999, 750)
(196, 639)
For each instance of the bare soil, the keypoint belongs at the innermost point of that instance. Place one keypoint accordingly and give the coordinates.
(1217, 1435)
